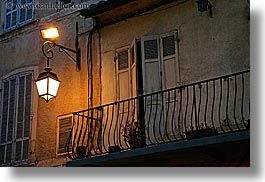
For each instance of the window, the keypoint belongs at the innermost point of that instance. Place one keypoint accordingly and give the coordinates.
(15, 119)
(159, 62)
(17, 13)
(126, 72)
(64, 129)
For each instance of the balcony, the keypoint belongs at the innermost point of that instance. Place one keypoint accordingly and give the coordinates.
(217, 109)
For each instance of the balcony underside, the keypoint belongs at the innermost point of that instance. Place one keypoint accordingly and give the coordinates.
(221, 150)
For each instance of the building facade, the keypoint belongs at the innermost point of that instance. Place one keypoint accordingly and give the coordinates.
(158, 79)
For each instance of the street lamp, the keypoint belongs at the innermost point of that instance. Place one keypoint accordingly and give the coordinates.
(47, 82)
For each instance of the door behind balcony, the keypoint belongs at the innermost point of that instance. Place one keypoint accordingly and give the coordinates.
(160, 71)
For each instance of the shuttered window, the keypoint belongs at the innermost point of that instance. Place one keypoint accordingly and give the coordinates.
(123, 73)
(159, 62)
(126, 71)
(15, 122)
(17, 13)
(64, 130)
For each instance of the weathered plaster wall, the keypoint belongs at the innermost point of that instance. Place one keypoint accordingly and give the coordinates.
(21, 50)
(208, 47)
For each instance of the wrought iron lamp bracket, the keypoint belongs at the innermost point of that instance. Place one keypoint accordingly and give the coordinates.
(47, 50)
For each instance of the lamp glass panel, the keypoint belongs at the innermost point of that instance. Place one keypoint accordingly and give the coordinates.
(50, 33)
(53, 86)
(42, 86)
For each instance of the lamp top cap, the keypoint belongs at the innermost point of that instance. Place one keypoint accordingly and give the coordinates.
(47, 74)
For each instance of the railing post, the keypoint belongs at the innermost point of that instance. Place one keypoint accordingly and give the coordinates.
(142, 121)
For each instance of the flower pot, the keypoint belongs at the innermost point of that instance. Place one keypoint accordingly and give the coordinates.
(81, 152)
(200, 133)
(113, 149)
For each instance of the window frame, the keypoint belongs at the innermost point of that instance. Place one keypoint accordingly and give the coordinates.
(18, 14)
(15, 140)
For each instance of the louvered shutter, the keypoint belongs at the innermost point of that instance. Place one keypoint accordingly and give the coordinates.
(123, 75)
(23, 117)
(169, 63)
(151, 83)
(64, 130)
(28, 107)
(21, 107)
(133, 77)
(16, 118)
(11, 115)
(4, 116)
(151, 64)
(4, 111)
(170, 79)
(7, 124)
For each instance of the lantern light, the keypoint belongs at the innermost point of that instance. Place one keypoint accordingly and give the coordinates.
(50, 33)
(47, 84)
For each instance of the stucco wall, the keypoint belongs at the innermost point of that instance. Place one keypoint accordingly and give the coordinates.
(21, 50)
(208, 47)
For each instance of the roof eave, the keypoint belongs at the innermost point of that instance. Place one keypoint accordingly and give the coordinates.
(96, 9)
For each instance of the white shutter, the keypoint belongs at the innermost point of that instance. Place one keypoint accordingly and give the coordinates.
(64, 129)
(170, 79)
(151, 64)
(169, 62)
(133, 78)
(123, 74)
(151, 83)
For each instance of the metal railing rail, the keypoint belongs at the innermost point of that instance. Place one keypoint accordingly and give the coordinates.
(200, 109)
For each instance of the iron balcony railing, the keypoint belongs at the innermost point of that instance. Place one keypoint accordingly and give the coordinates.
(205, 108)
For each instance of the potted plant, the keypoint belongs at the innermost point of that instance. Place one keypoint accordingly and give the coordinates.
(200, 132)
(134, 135)
(81, 152)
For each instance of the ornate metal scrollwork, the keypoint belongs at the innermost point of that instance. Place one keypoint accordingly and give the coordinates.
(47, 49)
(48, 52)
